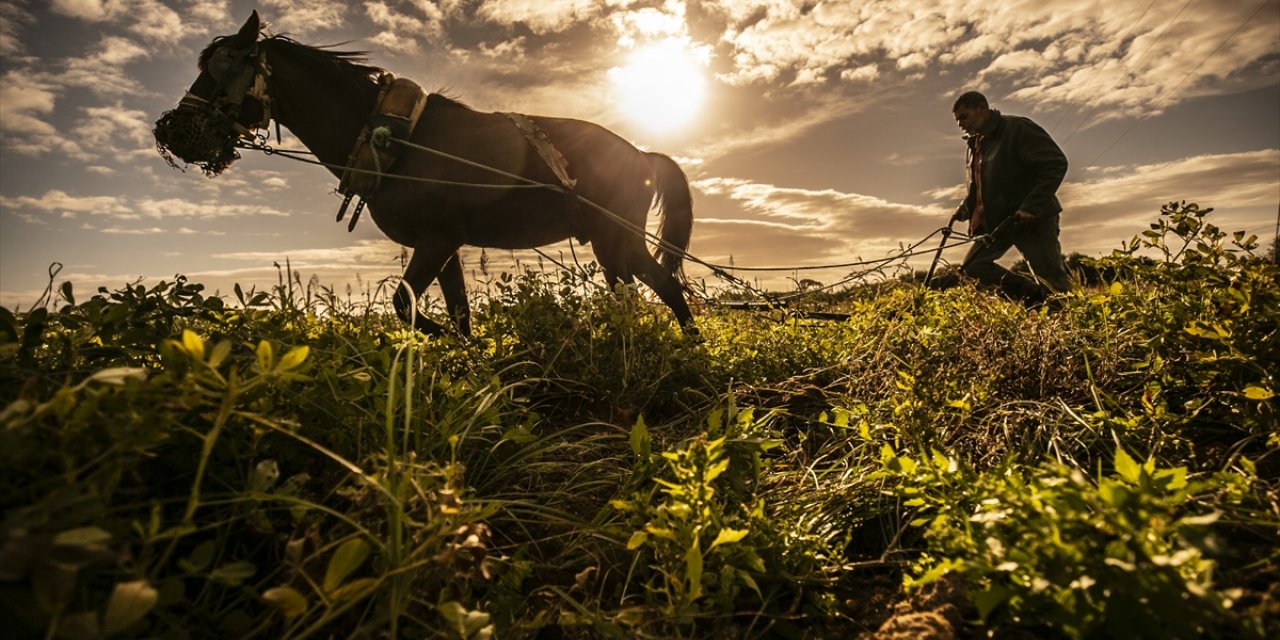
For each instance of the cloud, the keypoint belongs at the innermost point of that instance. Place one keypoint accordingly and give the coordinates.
(540, 16)
(304, 16)
(819, 109)
(92, 10)
(27, 100)
(1118, 203)
(14, 17)
(402, 31)
(807, 227)
(183, 231)
(1123, 54)
(364, 252)
(115, 127)
(60, 203)
(150, 19)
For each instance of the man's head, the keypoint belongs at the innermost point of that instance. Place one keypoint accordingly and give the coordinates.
(971, 111)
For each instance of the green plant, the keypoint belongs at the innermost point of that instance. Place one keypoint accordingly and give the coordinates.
(1126, 556)
(697, 534)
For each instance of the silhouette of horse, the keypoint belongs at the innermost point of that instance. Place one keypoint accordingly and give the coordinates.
(327, 98)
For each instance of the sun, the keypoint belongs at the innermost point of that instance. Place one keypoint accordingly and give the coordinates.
(661, 87)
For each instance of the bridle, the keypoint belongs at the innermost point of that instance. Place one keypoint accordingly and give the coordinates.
(234, 88)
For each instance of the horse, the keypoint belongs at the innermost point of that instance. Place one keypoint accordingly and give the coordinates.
(327, 98)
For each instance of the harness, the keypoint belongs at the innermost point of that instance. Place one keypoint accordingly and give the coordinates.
(396, 113)
(559, 165)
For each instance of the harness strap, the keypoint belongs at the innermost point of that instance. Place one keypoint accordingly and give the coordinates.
(541, 143)
(395, 114)
(559, 165)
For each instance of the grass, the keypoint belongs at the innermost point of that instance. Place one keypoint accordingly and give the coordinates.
(301, 466)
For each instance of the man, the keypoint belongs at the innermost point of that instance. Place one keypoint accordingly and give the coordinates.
(1014, 171)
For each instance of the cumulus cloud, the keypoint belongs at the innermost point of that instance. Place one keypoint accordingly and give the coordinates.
(304, 16)
(115, 127)
(27, 101)
(150, 19)
(540, 16)
(1116, 53)
(402, 30)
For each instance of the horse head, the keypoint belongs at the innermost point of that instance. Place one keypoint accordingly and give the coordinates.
(227, 102)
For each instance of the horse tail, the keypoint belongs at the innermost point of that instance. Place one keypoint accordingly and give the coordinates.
(674, 203)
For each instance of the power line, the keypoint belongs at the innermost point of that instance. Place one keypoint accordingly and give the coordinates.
(1141, 57)
(1098, 70)
(1137, 121)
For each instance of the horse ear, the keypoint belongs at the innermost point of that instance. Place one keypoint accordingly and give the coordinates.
(249, 32)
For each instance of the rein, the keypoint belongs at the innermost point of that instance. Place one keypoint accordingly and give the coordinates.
(719, 270)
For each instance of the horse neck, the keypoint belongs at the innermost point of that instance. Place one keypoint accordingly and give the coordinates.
(320, 109)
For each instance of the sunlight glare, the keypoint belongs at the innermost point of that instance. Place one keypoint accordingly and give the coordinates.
(661, 87)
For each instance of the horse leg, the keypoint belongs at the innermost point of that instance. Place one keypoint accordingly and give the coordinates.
(665, 285)
(612, 259)
(454, 287)
(423, 267)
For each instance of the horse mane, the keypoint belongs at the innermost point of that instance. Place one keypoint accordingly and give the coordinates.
(446, 96)
(353, 66)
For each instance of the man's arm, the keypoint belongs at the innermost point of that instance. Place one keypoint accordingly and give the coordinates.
(1047, 166)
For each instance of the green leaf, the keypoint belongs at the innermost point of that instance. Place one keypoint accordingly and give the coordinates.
(1254, 392)
(1125, 465)
(349, 556)
(354, 590)
(82, 537)
(293, 358)
(467, 624)
(200, 558)
(1172, 479)
(129, 603)
(233, 573)
(716, 469)
(641, 442)
(116, 376)
(1210, 331)
(193, 344)
(729, 536)
(693, 569)
(637, 539)
(220, 353)
(288, 600)
(266, 357)
(1202, 520)
(988, 599)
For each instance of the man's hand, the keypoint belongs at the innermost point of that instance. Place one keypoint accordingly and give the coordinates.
(1023, 218)
(961, 214)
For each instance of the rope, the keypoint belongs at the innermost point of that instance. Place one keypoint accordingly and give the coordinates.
(720, 271)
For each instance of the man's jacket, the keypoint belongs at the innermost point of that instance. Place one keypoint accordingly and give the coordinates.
(1022, 168)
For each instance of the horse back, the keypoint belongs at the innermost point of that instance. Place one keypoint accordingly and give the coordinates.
(607, 169)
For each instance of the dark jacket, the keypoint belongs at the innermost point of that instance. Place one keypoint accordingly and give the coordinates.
(1022, 168)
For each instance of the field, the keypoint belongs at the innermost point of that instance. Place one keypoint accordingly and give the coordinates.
(292, 463)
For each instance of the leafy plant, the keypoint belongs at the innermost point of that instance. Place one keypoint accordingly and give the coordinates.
(1127, 556)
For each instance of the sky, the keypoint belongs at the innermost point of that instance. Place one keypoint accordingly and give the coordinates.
(812, 132)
